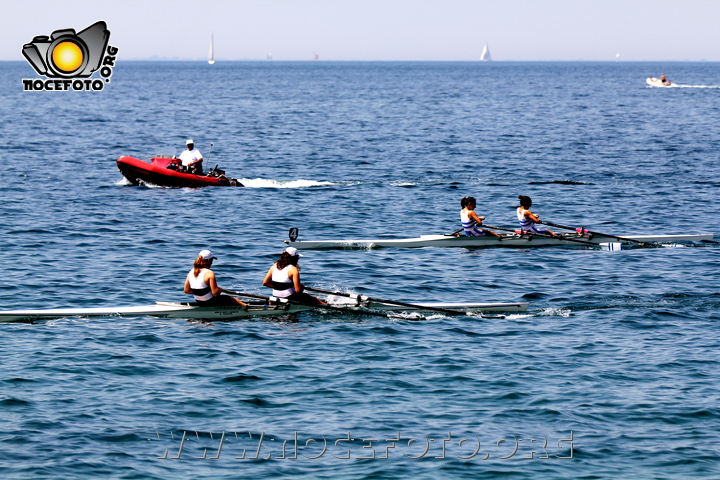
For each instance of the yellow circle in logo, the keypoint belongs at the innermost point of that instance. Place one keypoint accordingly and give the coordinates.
(67, 56)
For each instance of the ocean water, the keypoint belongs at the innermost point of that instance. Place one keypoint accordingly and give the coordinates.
(612, 372)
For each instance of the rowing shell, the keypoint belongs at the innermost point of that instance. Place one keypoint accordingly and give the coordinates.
(194, 312)
(509, 240)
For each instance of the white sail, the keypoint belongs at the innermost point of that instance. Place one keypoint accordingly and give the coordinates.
(485, 57)
(211, 56)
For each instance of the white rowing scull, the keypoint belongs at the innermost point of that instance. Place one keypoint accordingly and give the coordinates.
(194, 312)
(504, 240)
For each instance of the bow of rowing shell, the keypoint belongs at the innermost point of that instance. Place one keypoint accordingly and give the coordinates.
(193, 311)
(511, 240)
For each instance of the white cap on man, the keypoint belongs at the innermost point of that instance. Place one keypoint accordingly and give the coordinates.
(293, 252)
(190, 142)
(206, 255)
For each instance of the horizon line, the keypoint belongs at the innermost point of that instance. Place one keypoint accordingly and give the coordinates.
(261, 60)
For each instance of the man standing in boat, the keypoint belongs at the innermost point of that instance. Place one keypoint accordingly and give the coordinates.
(192, 159)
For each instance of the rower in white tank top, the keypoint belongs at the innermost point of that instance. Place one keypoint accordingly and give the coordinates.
(283, 286)
(200, 289)
(284, 278)
(528, 219)
(470, 220)
(201, 282)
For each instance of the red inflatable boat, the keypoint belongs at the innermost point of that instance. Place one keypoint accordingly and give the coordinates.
(166, 172)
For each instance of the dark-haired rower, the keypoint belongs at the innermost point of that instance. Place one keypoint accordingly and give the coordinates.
(470, 220)
(528, 219)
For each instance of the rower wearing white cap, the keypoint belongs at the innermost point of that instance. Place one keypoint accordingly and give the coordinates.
(284, 278)
(201, 282)
(192, 158)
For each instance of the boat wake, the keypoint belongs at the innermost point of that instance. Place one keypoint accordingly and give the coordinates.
(263, 183)
(522, 316)
(555, 312)
(127, 183)
(123, 182)
(680, 85)
(667, 303)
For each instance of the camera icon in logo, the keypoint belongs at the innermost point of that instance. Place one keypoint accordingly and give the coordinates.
(66, 54)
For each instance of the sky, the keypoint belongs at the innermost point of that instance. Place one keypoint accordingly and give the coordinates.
(381, 30)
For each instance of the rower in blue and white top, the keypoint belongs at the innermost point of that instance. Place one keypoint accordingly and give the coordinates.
(470, 220)
(201, 283)
(528, 219)
(284, 278)
(192, 158)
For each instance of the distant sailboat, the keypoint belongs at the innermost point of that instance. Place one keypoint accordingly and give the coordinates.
(211, 56)
(485, 57)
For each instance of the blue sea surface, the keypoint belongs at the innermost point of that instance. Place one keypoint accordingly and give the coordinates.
(612, 373)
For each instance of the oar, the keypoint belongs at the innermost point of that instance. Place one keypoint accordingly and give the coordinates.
(323, 305)
(247, 295)
(559, 237)
(389, 302)
(625, 239)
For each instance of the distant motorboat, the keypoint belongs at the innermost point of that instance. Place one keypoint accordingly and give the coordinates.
(211, 55)
(485, 57)
(167, 171)
(656, 82)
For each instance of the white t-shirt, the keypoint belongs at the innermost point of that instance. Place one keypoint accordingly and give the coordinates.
(189, 156)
